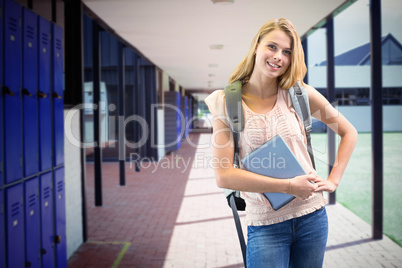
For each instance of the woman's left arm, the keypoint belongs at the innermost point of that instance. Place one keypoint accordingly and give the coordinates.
(321, 109)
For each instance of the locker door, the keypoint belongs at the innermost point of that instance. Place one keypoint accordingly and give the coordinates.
(187, 116)
(58, 119)
(1, 99)
(46, 200)
(2, 264)
(184, 111)
(15, 226)
(45, 138)
(29, 90)
(190, 112)
(32, 238)
(11, 89)
(178, 120)
(60, 210)
(172, 121)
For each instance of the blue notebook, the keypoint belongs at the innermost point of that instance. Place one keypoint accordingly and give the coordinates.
(274, 159)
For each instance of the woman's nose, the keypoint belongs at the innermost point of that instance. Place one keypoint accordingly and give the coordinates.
(277, 56)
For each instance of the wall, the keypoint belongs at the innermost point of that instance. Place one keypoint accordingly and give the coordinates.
(72, 153)
(161, 133)
(165, 81)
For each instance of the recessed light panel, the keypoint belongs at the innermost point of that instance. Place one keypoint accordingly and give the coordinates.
(222, 1)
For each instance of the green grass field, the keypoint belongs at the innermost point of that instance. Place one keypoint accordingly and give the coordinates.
(355, 190)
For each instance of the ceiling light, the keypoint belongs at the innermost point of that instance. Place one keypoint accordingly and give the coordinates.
(213, 65)
(223, 1)
(211, 75)
(216, 47)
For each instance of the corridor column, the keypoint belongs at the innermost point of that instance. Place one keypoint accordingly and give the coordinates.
(96, 57)
(122, 127)
(73, 69)
(331, 98)
(376, 117)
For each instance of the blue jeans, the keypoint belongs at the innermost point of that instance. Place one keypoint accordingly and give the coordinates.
(295, 243)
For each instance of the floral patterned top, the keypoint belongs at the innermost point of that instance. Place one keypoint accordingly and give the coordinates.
(259, 128)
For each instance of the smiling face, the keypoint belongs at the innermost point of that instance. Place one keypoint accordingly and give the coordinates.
(273, 55)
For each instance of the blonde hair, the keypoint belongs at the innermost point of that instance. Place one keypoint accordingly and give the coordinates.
(297, 68)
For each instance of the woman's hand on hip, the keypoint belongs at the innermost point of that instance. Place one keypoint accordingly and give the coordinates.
(325, 185)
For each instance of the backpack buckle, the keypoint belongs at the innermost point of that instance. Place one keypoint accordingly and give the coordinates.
(297, 89)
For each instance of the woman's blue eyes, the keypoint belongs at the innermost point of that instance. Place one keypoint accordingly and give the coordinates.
(287, 52)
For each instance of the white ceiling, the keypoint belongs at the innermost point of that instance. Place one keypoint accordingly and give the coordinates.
(176, 35)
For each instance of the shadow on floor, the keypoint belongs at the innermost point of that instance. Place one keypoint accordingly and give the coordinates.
(141, 214)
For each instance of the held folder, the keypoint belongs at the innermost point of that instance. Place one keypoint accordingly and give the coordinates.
(274, 159)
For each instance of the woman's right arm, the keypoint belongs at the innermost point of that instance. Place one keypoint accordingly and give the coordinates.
(241, 180)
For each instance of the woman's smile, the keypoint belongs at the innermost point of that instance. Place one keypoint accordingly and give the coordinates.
(274, 66)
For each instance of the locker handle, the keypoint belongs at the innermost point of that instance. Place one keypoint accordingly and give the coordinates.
(41, 94)
(57, 239)
(26, 92)
(28, 264)
(8, 91)
(56, 96)
(43, 251)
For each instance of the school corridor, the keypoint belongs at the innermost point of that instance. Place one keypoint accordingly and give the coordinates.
(172, 214)
(105, 157)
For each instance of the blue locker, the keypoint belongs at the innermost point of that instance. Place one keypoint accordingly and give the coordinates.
(187, 116)
(32, 237)
(2, 260)
(190, 112)
(29, 91)
(178, 120)
(46, 204)
(1, 98)
(184, 110)
(11, 91)
(45, 132)
(60, 212)
(58, 103)
(15, 226)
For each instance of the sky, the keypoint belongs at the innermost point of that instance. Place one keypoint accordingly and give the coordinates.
(352, 28)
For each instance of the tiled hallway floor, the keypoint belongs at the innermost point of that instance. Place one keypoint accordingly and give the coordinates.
(172, 214)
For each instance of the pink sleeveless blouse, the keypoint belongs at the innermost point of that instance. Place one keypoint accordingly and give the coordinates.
(259, 128)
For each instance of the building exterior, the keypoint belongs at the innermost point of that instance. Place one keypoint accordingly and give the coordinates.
(352, 84)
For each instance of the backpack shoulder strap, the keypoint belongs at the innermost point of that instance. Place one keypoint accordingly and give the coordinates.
(235, 114)
(301, 105)
(234, 106)
(300, 101)
(236, 121)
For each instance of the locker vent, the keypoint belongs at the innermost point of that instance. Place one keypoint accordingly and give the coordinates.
(15, 209)
(60, 186)
(30, 32)
(46, 192)
(58, 44)
(12, 24)
(45, 39)
(32, 200)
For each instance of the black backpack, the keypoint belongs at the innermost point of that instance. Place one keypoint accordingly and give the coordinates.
(233, 98)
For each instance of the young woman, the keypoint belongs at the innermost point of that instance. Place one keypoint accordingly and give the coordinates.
(296, 234)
